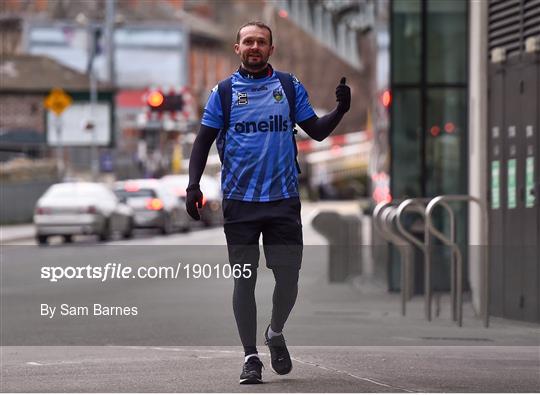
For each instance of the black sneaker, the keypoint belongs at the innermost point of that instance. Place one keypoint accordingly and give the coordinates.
(279, 355)
(251, 373)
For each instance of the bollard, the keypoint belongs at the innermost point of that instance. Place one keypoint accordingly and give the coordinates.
(343, 235)
(353, 246)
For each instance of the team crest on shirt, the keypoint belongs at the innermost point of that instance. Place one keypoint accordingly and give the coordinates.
(278, 95)
(242, 98)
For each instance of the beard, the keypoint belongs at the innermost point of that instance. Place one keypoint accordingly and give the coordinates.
(260, 63)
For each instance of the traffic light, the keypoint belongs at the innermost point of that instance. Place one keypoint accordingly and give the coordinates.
(158, 102)
(155, 100)
(386, 98)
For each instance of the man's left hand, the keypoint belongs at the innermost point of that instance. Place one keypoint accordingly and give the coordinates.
(343, 96)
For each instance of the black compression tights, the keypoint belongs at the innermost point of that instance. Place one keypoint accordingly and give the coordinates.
(245, 308)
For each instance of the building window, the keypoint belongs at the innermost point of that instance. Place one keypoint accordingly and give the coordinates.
(446, 26)
(407, 154)
(429, 110)
(406, 41)
(429, 86)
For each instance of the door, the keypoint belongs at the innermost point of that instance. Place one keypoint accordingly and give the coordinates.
(513, 231)
(529, 302)
(495, 180)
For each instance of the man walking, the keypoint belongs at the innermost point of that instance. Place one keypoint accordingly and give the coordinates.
(251, 116)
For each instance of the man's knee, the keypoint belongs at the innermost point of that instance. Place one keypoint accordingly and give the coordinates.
(283, 256)
(286, 275)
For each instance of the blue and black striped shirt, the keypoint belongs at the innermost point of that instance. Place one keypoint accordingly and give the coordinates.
(259, 156)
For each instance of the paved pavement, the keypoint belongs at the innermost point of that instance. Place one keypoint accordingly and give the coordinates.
(343, 337)
(316, 369)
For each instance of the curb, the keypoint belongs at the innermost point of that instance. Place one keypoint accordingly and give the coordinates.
(21, 236)
(17, 238)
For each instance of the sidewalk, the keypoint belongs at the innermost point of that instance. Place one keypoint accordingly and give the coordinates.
(315, 369)
(391, 354)
(363, 316)
(9, 233)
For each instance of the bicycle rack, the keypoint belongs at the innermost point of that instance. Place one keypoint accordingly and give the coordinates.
(457, 252)
(418, 205)
(383, 211)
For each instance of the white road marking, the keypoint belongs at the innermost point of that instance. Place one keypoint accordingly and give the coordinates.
(369, 380)
(352, 375)
(54, 363)
(183, 349)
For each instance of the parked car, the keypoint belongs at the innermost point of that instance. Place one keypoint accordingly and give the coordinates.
(211, 213)
(154, 205)
(87, 208)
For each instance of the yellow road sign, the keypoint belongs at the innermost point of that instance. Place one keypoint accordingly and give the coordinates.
(57, 101)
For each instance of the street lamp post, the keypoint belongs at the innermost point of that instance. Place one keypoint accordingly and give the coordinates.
(94, 33)
(91, 126)
(60, 148)
(110, 24)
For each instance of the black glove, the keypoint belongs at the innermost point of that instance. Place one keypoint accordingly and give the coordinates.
(343, 96)
(194, 199)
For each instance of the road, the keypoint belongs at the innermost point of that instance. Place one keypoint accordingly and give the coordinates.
(343, 338)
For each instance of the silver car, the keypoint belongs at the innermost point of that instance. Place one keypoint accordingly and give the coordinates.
(154, 205)
(86, 208)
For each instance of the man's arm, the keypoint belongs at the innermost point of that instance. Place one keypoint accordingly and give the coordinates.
(199, 153)
(197, 163)
(320, 128)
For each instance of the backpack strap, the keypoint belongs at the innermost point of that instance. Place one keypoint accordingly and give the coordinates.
(286, 80)
(225, 98)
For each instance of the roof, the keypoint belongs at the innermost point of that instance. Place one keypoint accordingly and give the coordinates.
(155, 13)
(202, 27)
(162, 12)
(40, 73)
(199, 28)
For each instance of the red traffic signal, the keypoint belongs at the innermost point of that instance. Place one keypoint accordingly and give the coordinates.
(158, 102)
(155, 99)
(386, 98)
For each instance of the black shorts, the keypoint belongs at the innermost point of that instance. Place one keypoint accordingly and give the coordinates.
(278, 221)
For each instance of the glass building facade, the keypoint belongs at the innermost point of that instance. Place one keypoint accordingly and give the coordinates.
(429, 74)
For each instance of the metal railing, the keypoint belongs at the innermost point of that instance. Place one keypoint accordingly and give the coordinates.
(457, 252)
(418, 205)
(384, 212)
(386, 215)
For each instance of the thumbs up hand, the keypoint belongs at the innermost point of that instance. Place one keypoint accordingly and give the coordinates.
(343, 96)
